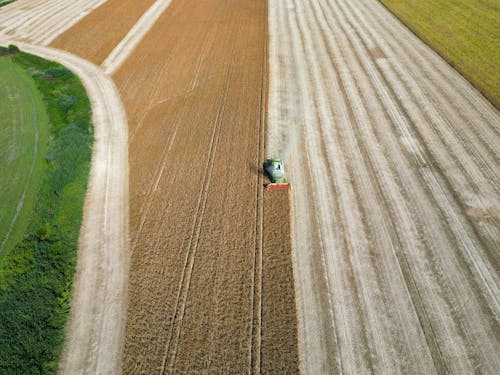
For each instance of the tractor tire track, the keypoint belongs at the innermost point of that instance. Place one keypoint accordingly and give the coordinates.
(195, 236)
(153, 98)
(255, 357)
(393, 221)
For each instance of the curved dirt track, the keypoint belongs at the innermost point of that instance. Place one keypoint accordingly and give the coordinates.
(94, 344)
(41, 21)
(395, 162)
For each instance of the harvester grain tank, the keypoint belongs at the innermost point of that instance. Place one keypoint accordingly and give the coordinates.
(276, 172)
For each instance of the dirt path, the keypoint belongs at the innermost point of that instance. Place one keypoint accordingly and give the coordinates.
(40, 21)
(96, 329)
(394, 159)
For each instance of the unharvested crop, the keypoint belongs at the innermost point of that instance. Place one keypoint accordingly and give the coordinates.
(197, 119)
(279, 318)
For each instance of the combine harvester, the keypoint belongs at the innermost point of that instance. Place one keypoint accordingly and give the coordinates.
(276, 172)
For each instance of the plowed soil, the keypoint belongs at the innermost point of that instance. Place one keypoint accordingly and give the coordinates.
(95, 36)
(195, 94)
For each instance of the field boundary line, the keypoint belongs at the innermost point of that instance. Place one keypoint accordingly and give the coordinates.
(255, 353)
(127, 45)
(96, 328)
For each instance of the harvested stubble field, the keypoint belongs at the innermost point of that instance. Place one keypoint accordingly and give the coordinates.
(396, 200)
(40, 21)
(195, 94)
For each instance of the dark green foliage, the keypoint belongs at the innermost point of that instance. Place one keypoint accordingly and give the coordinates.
(66, 102)
(5, 2)
(10, 50)
(30, 313)
(58, 72)
(36, 277)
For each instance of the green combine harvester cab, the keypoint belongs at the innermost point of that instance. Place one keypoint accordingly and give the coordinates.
(275, 169)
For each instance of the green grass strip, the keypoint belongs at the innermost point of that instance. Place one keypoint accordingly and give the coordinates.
(23, 140)
(464, 32)
(5, 2)
(36, 275)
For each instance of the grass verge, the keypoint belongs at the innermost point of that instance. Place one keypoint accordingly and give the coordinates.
(36, 275)
(464, 32)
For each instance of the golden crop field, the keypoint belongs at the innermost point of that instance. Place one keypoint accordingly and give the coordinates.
(464, 32)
